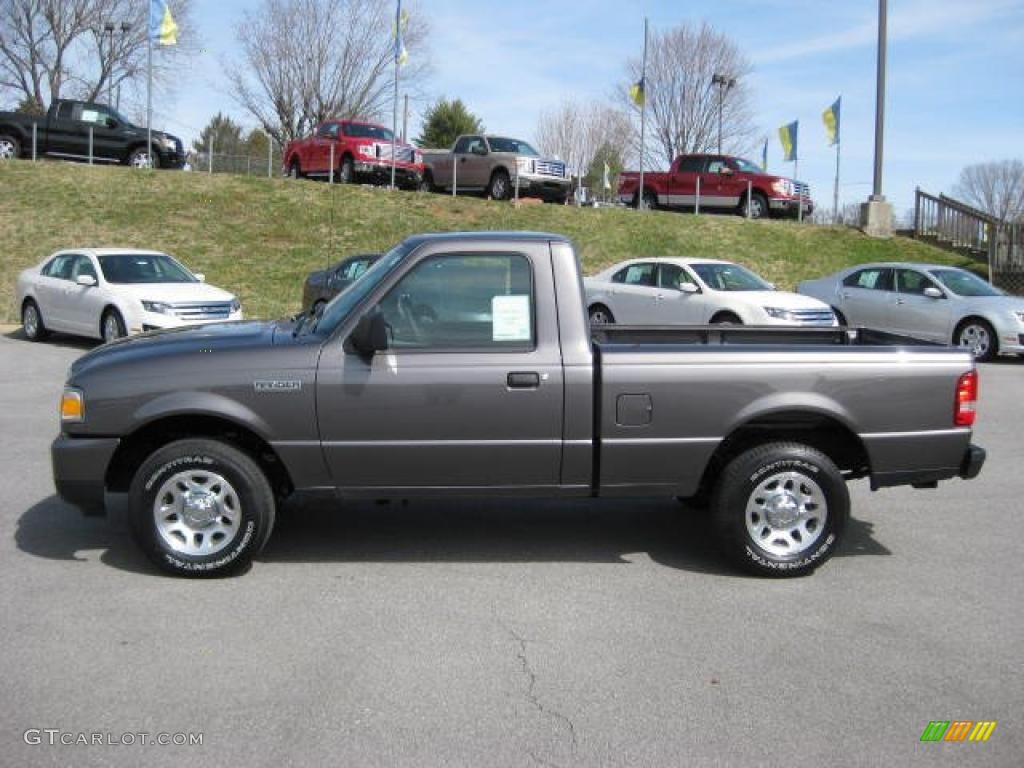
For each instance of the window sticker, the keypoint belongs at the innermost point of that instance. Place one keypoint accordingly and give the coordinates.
(90, 116)
(510, 318)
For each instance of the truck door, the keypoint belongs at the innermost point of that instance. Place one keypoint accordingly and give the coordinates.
(472, 162)
(64, 135)
(107, 133)
(682, 183)
(469, 393)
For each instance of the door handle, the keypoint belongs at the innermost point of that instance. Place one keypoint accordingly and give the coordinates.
(899, 301)
(659, 297)
(523, 380)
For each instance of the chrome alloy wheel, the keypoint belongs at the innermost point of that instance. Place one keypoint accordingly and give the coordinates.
(111, 330)
(197, 513)
(30, 320)
(599, 317)
(975, 338)
(140, 160)
(7, 149)
(786, 514)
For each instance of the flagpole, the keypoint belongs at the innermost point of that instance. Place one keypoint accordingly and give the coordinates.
(835, 193)
(799, 195)
(394, 112)
(149, 93)
(643, 119)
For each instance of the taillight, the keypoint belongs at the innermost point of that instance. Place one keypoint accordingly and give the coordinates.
(966, 401)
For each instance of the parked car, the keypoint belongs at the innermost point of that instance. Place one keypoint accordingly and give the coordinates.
(676, 291)
(362, 152)
(928, 301)
(324, 284)
(723, 185)
(494, 165)
(506, 393)
(106, 293)
(64, 133)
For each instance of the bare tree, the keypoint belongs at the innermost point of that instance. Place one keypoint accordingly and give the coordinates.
(682, 100)
(55, 48)
(305, 61)
(575, 132)
(996, 188)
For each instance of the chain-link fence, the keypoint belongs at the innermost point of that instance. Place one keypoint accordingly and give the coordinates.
(262, 164)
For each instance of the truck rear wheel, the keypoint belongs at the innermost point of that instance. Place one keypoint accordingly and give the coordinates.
(780, 509)
(201, 507)
(10, 147)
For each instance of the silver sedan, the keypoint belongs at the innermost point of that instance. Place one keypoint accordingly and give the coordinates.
(928, 301)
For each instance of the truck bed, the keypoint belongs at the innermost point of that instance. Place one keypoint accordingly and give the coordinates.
(749, 335)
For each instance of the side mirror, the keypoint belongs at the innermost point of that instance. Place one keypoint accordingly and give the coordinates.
(933, 293)
(689, 288)
(87, 280)
(200, 277)
(725, 170)
(370, 334)
(112, 123)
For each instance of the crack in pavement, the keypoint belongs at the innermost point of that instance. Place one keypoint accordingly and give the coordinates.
(531, 696)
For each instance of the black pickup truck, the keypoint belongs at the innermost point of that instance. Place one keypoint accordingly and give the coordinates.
(464, 364)
(64, 133)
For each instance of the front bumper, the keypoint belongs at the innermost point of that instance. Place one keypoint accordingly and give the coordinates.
(405, 174)
(80, 468)
(543, 186)
(155, 321)
(171, 159)
(788, 205)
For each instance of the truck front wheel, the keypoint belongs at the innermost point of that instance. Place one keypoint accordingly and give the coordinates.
(499, 187)
(201, 507)
(758, 206)
(140, 158)
(346, 171)
(10, 147)
(780, 509)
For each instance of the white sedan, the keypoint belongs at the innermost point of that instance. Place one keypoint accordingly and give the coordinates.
(927, 301)
(675, 291)
(107, 293)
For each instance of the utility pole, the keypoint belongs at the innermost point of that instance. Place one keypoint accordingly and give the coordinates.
(108, 28)
(876, 213)
(405, 120)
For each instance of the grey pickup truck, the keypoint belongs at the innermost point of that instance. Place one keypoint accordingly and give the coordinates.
(502, 389)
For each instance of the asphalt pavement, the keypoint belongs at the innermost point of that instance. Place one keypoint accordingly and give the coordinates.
(489, 634)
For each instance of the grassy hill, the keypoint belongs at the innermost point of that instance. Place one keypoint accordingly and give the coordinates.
(259, 237)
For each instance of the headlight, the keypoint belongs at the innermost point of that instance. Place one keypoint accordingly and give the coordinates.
(160, 307)
(1019, 315)
(236, 305)
(525, 165)
(168, 142)
(366, 150)
(778, 313)
(72, 406)
(783, 187)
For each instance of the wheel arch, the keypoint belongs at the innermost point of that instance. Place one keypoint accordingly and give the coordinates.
(819, 428)
(133, 450)
(968, 317)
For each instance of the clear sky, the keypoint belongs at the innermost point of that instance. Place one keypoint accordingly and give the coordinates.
(955, 87)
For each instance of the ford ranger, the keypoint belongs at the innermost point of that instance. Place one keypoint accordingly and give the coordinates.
(497, 166)
(502, 389)
(720, 182)
(64, 133)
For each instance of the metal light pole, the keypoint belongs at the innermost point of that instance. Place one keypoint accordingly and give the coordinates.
(125, 29)
(724, 84)
(109, 29)
(876, 192)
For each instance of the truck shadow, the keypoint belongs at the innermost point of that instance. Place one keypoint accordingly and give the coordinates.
(436, 531)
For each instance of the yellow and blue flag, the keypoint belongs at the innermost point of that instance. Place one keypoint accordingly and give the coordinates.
(787, 135)
(831, 118)
(162, 28)
(401, 21)
(638, 92)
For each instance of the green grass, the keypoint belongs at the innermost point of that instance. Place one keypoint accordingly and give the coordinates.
(259, 238)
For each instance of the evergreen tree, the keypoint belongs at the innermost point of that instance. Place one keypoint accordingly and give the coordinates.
(227, 137)
(445, 121)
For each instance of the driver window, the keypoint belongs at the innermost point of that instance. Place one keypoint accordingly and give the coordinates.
(640, 274)
(716, 166)
(669, 276)
(463, 301)
(328, 131)
(83, 267)
(911, 281)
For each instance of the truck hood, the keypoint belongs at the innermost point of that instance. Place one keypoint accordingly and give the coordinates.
(194, 342)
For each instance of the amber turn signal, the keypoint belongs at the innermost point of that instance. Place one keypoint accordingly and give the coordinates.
(72, 405)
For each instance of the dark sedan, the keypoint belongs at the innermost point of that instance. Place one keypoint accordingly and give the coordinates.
(324, 284)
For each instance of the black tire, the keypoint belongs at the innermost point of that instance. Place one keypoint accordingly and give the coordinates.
(10, 147)
(294, 169)
(230, 476)
(599, 314)
(426, 183)
(726, 318)
(112, 326)
(650, 200)
(758, 206)
(780, 509)
(346, 171)
(499, 187)
(978, 337)
(32, 321)
(140, 158)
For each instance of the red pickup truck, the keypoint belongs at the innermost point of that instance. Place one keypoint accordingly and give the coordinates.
(723, 185)
(362, 151)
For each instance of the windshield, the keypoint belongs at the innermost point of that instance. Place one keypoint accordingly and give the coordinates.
(362, 131)
(747, 167)
(730, 277)
(144, 268)
(343, 304)
(964, 283)
(501, 144)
